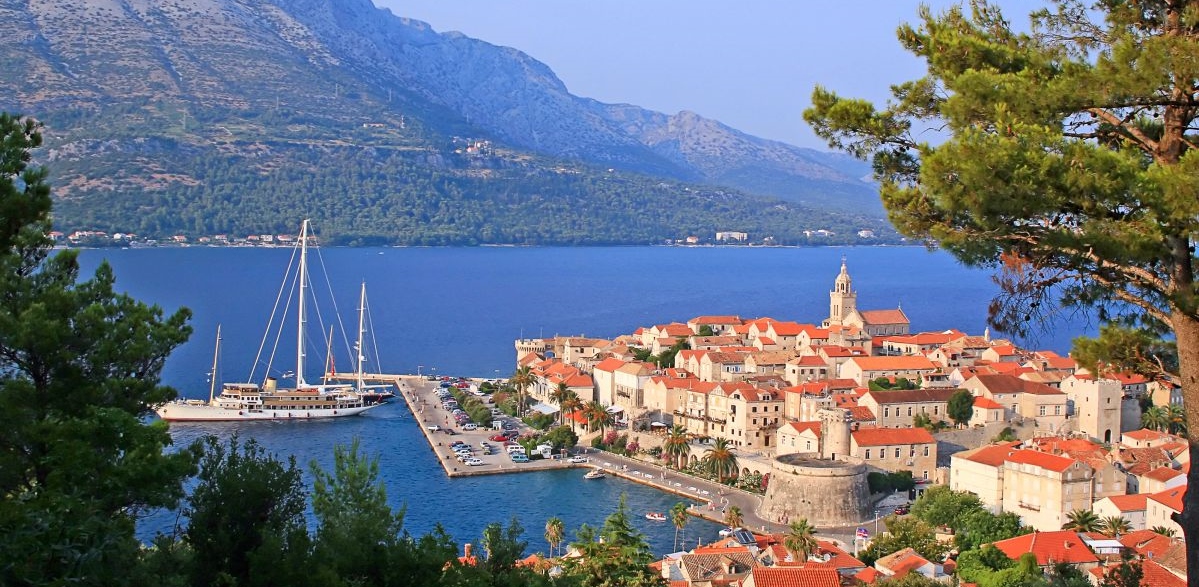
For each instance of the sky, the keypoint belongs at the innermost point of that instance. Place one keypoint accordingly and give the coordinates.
(750, 64)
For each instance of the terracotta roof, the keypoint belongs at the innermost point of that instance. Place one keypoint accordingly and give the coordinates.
(1061, 546)
(993, 455)
(1057, 444)
(1146, 434)
(986, 403)
(798, 576)
(1129, 503)
(1040, 459)
(609, 365)
(1163, 474)
(1171, 498)
(716, 320)
(895, 316)
(1003, 383)
(800, 427)
(838, 558)
(1145, 542)
(706, 567)
(786, 328)
(890, 436)
(868, 575)
(901, 562)
(808, 361)
(911, 396)
(861, 414)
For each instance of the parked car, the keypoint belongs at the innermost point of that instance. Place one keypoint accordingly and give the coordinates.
(497, 437)
(519, 457)
(902, 510)
(433, 428)
(470, 426)
(577, 459)
(474, 461)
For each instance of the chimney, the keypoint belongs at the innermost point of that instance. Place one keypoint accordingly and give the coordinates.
(466, 550)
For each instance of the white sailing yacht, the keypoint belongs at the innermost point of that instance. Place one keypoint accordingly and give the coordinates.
(371, 393)
(251, 401)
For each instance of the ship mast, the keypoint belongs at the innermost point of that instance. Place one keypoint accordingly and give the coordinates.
(300, 309)
(212, 374)
(361, 334)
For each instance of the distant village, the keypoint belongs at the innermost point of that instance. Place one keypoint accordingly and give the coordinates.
(819, 407)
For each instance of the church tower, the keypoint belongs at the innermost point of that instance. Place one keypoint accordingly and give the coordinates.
(843, 301)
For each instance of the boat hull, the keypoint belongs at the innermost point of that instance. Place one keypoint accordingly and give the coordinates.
(183, 412)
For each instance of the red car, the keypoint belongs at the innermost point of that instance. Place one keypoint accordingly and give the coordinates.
(498, 437)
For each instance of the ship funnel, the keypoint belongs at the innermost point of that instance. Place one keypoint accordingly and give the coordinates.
(269, 385)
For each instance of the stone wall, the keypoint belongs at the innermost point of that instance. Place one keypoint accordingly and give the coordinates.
(827, 493)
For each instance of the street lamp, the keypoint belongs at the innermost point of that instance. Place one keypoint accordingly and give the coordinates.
(418, 368)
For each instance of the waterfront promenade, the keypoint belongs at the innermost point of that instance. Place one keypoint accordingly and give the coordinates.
(706, 499)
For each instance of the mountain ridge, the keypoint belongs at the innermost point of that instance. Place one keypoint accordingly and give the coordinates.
(248, 81)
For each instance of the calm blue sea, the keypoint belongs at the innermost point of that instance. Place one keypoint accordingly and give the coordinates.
(458, 310)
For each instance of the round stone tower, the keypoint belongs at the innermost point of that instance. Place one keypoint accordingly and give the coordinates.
(834, 433)
(827, 493)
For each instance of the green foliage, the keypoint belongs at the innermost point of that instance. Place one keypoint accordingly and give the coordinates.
(561, 437)
(1061, 164)
(903, 532)
(1127, 574)
(720, 461)
(885, 384)
(941, 506)
(705, 330)
(358, 535)
(620, 558)
(81, 367)
(1006, 435)
(961, 407)
(246, 517)
(539, 420)
(885, 482)
(800, 539)
(1123, 348)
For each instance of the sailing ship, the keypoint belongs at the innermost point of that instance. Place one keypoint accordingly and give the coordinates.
(252, 401)
(371, 393)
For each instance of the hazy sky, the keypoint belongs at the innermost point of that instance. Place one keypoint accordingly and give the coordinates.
(749, 64)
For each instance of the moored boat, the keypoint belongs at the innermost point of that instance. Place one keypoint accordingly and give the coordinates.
(655, 516)
(251, 401)
(594, 474)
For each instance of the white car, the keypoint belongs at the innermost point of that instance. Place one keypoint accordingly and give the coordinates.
(474, 461)
(433, 428)
(577, 459)
(470, 426)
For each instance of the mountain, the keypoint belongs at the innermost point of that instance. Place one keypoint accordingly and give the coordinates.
(185, 116)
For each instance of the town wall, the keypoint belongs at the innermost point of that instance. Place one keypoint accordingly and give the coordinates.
(827, 493)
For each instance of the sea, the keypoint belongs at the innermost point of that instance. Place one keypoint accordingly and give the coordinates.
(458, 311)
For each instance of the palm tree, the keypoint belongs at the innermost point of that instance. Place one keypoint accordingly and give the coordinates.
(720, 461)
(570, 405)
(597, 416)
(1164, 531)
(732, 517)
(678, 517)
(1156, 418)
(799, 539)
(1114, 525)
(1081, 521)
(676, 446)
(555, 531)
(560, 395)
(1176, 420)
(521, 381)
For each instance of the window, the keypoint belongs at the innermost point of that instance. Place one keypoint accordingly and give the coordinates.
(936, 410)
(1042, 410)
(1057, 410)
(909, 410)
(867, 453)
(926, 450)
(897, 452)
(886, 412)
(809, 445)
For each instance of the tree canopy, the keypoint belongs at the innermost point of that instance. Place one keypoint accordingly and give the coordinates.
(1064, 163)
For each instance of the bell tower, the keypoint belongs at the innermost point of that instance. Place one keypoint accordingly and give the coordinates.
(843, 301)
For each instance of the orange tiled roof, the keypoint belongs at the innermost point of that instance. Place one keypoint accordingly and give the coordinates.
(868, 575)
(993, 455)
(861, 414)
(1003, 383)
(891, 436)
(1163, 474)
(986, 403)
(1040, 459)
(1171, 498)
(800, 427)
(1129, 503)
(1146, 542)
(716, 320)
(911, 396)
(1146, 434)
(895, 316)
(796, 576)
(609, 365)
(1061, 546)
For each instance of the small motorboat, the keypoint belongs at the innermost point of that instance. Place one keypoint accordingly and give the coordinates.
(656, 516)
(594, 474)
(725, 532)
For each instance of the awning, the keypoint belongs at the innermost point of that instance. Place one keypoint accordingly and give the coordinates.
(545, 408)
(657, 424)
(615, 409)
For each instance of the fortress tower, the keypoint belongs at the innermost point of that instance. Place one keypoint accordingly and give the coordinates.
(843, 301)
(834, 433)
